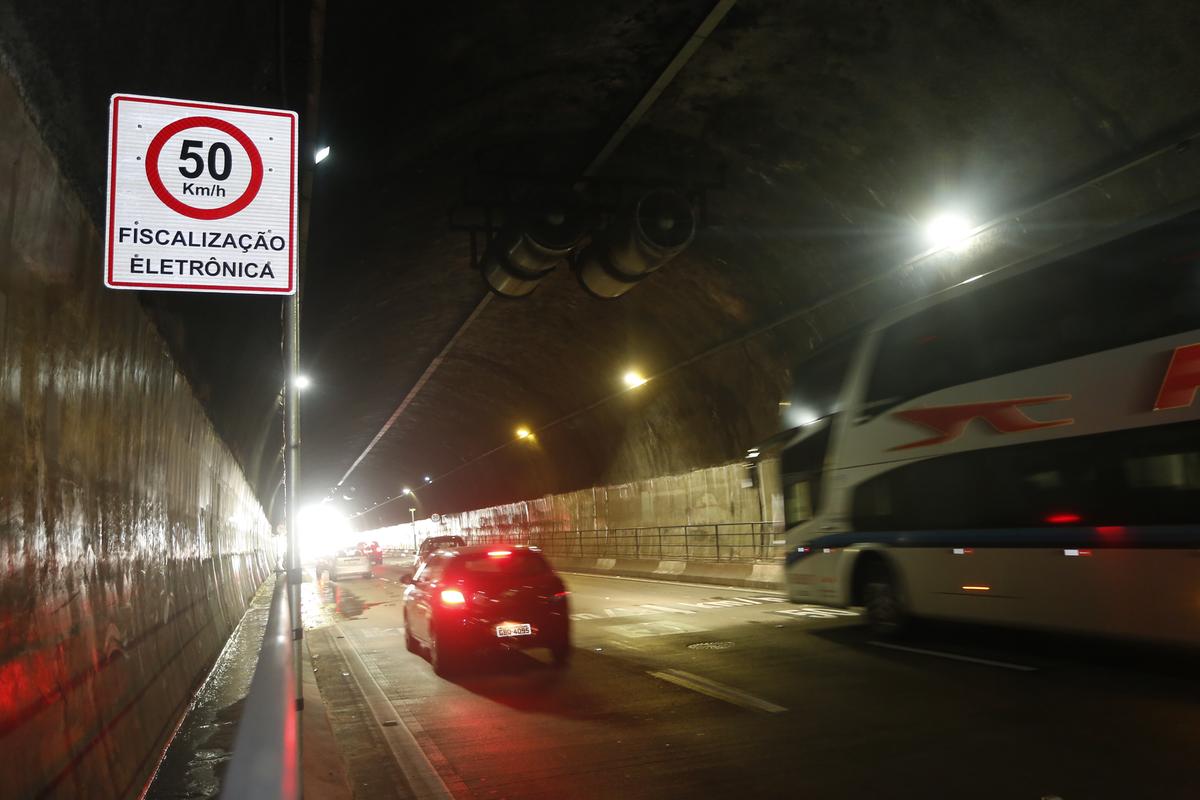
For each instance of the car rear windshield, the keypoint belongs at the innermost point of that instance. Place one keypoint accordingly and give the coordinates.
(515, 563)
(440, 543)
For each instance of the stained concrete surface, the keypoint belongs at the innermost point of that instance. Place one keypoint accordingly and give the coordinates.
(130, 540)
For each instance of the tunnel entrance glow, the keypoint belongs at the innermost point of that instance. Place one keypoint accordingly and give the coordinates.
(323, 530)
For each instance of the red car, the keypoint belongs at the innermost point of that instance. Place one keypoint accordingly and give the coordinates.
(485, 597)
(372, 551)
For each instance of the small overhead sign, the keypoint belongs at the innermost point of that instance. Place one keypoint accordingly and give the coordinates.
(201, 197)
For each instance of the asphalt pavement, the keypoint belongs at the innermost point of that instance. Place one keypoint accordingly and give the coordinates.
(696, 691)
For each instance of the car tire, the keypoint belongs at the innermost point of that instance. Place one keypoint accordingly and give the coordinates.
(410, 641)
(443, 658)
(560, 653)
(886, 613)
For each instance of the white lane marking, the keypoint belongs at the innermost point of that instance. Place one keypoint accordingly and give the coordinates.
(668, 583)
(716, 690)
(817, 612)
(667, 609)
(645, 609)
(423, 777)
(955, 657)
(641, 630)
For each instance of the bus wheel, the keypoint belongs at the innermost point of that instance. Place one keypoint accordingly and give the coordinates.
(885, 611)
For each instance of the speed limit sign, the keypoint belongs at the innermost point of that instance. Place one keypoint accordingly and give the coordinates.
(201, 197)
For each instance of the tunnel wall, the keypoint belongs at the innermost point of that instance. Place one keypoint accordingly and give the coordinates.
(130, 541)
(728, 495)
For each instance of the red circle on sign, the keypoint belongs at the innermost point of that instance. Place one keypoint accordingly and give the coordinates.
(220, 212)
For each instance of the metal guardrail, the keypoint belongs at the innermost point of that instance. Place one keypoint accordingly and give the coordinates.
(266, 752)
(736, 542)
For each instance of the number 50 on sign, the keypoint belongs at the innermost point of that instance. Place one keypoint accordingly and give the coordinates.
(201, 197)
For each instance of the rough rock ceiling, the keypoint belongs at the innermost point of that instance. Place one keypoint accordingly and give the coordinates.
(832, 129)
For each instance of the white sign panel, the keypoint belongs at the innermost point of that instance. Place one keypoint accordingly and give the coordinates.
(201, 197)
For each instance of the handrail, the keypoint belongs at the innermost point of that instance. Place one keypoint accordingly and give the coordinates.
(744, 542)
(266, 751)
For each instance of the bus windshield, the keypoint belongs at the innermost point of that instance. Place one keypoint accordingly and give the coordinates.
(801, 466)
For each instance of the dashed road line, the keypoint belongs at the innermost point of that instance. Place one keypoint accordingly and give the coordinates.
(955, 657)
(716, 690)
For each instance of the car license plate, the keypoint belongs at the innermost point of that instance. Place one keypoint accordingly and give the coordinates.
(514, 629)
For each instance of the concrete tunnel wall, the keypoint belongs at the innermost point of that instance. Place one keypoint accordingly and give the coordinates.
(727, 495)
(130, 540)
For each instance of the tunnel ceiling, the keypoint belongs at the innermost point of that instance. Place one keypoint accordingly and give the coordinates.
(823, 133)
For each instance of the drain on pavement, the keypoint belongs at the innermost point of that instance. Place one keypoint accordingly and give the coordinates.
(710, 646)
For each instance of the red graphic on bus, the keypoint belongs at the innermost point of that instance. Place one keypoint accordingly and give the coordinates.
(1182, 379)
(1005, 416)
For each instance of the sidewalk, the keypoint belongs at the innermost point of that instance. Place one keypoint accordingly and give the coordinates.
(324, 769)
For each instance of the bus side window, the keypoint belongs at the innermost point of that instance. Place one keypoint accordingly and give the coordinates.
(1138, 476)
(872, 505)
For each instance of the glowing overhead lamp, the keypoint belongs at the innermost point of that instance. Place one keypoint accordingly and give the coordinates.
(633, 379)
(301, 382)
(950, 229)
(802, 416)
(321, 155)
(523, 432)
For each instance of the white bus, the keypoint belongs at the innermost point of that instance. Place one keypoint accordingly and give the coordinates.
(1022, 449)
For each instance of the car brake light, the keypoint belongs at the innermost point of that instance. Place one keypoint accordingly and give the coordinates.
(452, 597)
(1063, 519)
(499, 553)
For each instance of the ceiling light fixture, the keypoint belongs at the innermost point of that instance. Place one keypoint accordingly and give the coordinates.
(948, 229)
